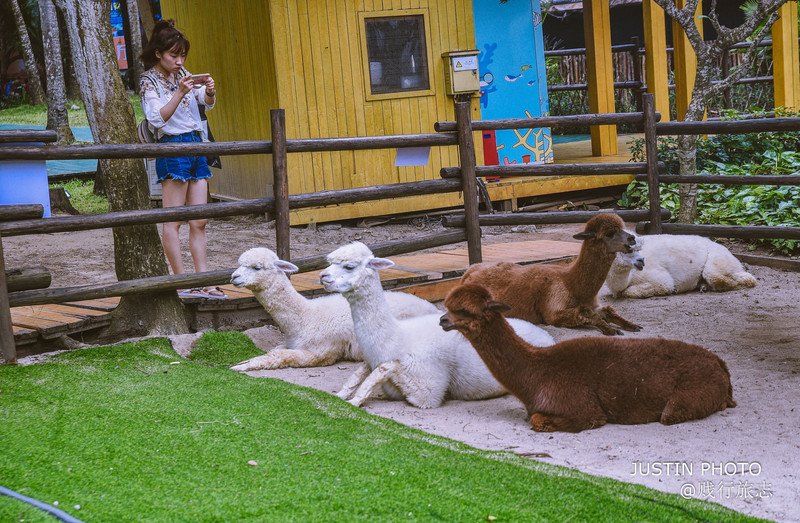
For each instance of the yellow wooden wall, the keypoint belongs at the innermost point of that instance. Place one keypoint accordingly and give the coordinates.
(306, 57)
(231, 40)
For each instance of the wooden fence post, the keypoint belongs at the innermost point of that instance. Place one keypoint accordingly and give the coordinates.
(651, 150)
(280, 182)
(725, 71)
(7, 346)
(637, 75)
(469, 183)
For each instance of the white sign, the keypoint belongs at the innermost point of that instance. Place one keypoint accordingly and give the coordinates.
(408, 156)
(465, 63)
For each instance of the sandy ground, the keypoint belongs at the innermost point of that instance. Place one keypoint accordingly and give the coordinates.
(744, 458)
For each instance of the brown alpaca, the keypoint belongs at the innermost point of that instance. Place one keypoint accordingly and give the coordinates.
(584, 383)
(563, 295)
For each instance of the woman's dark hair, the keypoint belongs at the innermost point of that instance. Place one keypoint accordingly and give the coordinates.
(164, 38)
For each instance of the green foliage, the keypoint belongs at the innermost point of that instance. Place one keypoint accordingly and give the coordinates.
(83, 198)
(739, 155)
(135, 433)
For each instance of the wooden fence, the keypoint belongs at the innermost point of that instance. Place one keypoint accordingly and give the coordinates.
(26, 220)
(629, 69)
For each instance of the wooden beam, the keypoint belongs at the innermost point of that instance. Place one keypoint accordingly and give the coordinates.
(7, 347)
(655, 56)
(685, 61)
(786, 58)
(600, 73)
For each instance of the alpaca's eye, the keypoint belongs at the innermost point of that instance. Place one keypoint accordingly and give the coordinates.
(351, 266)
(258, 266)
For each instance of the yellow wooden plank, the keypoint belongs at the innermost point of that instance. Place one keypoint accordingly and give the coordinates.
(656, 67)
(599, 72)
(786, 58)
(685, 61)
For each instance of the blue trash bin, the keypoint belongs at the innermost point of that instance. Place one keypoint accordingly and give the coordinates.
(24, 181)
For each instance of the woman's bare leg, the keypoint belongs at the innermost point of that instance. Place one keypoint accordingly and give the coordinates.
(173, 194)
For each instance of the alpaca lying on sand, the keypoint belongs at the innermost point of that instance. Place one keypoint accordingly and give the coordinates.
(584, 383)
(317, 331)
(563, 295)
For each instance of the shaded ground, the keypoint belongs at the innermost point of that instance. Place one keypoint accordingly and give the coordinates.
(745, 458)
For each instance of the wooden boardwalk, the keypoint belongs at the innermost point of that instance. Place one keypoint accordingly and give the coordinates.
(429, 275)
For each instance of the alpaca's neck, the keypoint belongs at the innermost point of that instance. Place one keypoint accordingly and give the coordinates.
(374, 326)
(589, 271)
(284, 304)
(510, 358)
(618, 277)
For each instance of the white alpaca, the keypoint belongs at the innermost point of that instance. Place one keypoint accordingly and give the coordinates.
(675, 264)
(413, 359)
(317, 331)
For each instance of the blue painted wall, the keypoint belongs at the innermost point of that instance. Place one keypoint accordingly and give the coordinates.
(513, 78)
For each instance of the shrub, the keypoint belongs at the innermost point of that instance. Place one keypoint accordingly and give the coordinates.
(740, 155)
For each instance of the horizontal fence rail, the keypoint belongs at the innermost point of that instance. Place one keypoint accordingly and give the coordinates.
(178, 281)
(28, 135)
(542, 218)
(750, 232)
(578, 120)
(222, 209)
(729, 126)
(551, 169)
(168, 150)
(726, 179)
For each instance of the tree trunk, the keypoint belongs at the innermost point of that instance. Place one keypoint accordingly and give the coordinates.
(148, 20)
(35, 92)
(57, 115)
(133, 44)
(70, 77)
(137, 249)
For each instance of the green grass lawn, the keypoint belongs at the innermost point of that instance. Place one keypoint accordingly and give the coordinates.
(135, 433)
(37, 114)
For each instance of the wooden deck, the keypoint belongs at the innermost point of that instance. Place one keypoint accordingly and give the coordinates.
(429, 276)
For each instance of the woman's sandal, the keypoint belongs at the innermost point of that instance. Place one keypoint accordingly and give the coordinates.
(215, 293)
(195, 292)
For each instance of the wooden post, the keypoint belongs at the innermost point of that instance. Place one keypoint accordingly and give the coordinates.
(655, 56)
(637, 75)
(7, 346)
(600, 73)
(280, 182)
(469, 183)
(685, 61)
(785, 56)
(725, 70)
(651, 150)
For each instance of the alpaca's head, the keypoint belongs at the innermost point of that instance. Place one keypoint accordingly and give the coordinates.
(350, 266)
(469, 308)
(259, 268)
(608, 230)
(630, 260)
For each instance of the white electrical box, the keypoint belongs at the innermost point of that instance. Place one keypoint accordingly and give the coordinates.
(461, 71)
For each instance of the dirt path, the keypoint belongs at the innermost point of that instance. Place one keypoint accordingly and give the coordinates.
(745, 458)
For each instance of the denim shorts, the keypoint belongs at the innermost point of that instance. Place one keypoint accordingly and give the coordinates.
(182, 168)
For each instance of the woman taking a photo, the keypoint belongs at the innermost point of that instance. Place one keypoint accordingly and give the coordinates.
(170, 100)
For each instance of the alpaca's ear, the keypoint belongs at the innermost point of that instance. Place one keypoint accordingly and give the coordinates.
(380, 263)
(497, 306)
(583, 235)
(285, 266)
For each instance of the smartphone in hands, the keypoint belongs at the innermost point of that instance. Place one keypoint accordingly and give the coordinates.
(200, 79)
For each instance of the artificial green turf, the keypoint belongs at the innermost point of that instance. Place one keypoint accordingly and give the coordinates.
(135, 433)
